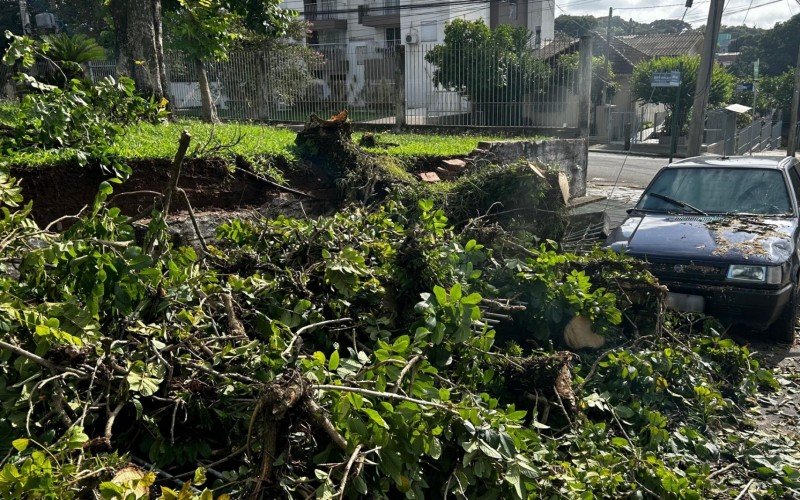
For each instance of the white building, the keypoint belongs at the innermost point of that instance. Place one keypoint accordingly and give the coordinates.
(357, 38)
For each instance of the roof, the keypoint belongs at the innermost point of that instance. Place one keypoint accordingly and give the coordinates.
(686, 43)
(738, 108)
(731, 161)
(628, 51)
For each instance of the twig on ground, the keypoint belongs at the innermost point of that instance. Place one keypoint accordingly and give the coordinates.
(275, 184)
(353, 457)
(318, 414)
(744, 490)
(196, 227)
(235, 326)
(112, 416)
(413, 361)
(387, 395)
(39, 360)
(722, 470)
(306, 328)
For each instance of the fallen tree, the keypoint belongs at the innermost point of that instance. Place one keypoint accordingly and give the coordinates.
(382, 350)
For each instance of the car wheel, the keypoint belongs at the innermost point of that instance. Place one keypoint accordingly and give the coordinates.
(783, 328)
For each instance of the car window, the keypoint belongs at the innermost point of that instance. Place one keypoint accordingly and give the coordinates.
(719, 190)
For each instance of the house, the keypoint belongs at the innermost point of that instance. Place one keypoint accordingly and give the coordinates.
(358, 37)
(624, 53)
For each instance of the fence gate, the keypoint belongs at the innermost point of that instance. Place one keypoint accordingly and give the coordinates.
(619, 123)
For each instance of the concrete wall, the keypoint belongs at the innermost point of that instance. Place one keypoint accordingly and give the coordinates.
(570, 155)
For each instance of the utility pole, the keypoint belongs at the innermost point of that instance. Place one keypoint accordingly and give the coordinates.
(704, 72)
(608, 55)
(755, 94)
(790, 147)
(676, 113)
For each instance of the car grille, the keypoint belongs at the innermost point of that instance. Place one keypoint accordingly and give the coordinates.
(689, 271)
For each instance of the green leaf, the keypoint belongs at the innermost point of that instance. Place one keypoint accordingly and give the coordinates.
(199, 476)
(145, 378)
(375, 417)
(75, 437)
(620, 442)
(455, 292)
(488, 450)
(472, 299)
(333, 362)
(20, 444)
(441, 295)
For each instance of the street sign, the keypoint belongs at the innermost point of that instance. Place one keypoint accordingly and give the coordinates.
(744, 86)
(666, 79)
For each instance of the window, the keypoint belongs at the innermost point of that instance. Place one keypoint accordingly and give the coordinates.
(538, 39)
(512, 10)
(392, 37)
(428, 31)
(719, 190)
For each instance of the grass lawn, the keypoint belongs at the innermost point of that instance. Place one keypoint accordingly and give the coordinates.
(160, 141)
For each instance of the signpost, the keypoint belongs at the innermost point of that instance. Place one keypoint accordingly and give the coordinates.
(666, 79)
(671, 79)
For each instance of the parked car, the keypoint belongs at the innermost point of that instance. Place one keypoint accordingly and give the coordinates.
(722, 235)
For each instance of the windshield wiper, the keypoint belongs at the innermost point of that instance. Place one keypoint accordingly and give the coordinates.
(677, 202)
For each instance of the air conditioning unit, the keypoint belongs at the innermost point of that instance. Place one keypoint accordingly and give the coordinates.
(46, 21)
(412, 37)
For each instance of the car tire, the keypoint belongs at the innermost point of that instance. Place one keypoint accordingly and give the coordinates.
(782, 330)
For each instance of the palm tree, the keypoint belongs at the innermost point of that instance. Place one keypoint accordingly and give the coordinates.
(71, 53)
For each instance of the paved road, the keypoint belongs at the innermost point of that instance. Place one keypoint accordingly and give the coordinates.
(636, 172)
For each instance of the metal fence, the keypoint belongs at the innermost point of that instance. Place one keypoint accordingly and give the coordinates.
(724, 137)
(418, 83)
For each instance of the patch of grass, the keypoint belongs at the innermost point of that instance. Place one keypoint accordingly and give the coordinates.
(159, 141)
(251, 140)
(422, 145)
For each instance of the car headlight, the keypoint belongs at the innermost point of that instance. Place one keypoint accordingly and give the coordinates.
(759, 274)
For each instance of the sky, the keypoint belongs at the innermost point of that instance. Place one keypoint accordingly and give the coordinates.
(762, 13)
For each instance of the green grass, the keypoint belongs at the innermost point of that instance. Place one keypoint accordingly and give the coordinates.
(160, 141)
(421, 145)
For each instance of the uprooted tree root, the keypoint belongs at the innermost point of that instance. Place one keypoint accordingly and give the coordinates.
(542, 381)
(358, 175)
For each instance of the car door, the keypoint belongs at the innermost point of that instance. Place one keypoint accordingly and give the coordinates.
(794, 180)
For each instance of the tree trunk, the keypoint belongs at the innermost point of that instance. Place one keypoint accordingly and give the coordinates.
(162, 66)
(208, 111)
(140, 53)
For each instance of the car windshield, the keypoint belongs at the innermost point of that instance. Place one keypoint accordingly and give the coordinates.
(713, 190)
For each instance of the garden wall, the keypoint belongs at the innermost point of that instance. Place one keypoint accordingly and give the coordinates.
(571, 156)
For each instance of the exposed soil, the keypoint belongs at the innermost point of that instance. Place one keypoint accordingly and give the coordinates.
(209, 183)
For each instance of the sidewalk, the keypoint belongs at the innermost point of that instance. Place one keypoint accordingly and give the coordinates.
(655, 151)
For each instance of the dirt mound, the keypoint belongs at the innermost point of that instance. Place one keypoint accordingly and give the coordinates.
(209, 183)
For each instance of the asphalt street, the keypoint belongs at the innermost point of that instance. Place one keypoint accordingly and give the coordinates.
(637, 171)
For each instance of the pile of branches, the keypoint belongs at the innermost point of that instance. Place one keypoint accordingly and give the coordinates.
(378, 351)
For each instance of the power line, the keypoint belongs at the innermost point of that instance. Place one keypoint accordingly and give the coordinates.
(740, 10)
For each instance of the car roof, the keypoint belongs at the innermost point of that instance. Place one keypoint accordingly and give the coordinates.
(776, 162)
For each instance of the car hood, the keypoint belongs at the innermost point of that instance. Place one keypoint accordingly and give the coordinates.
(743, 239)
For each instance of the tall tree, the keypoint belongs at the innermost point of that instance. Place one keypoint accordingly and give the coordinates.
(140, 51)
(503, 68)
(206, 30)
(722, 84)
(775, 47)
(575, 26)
